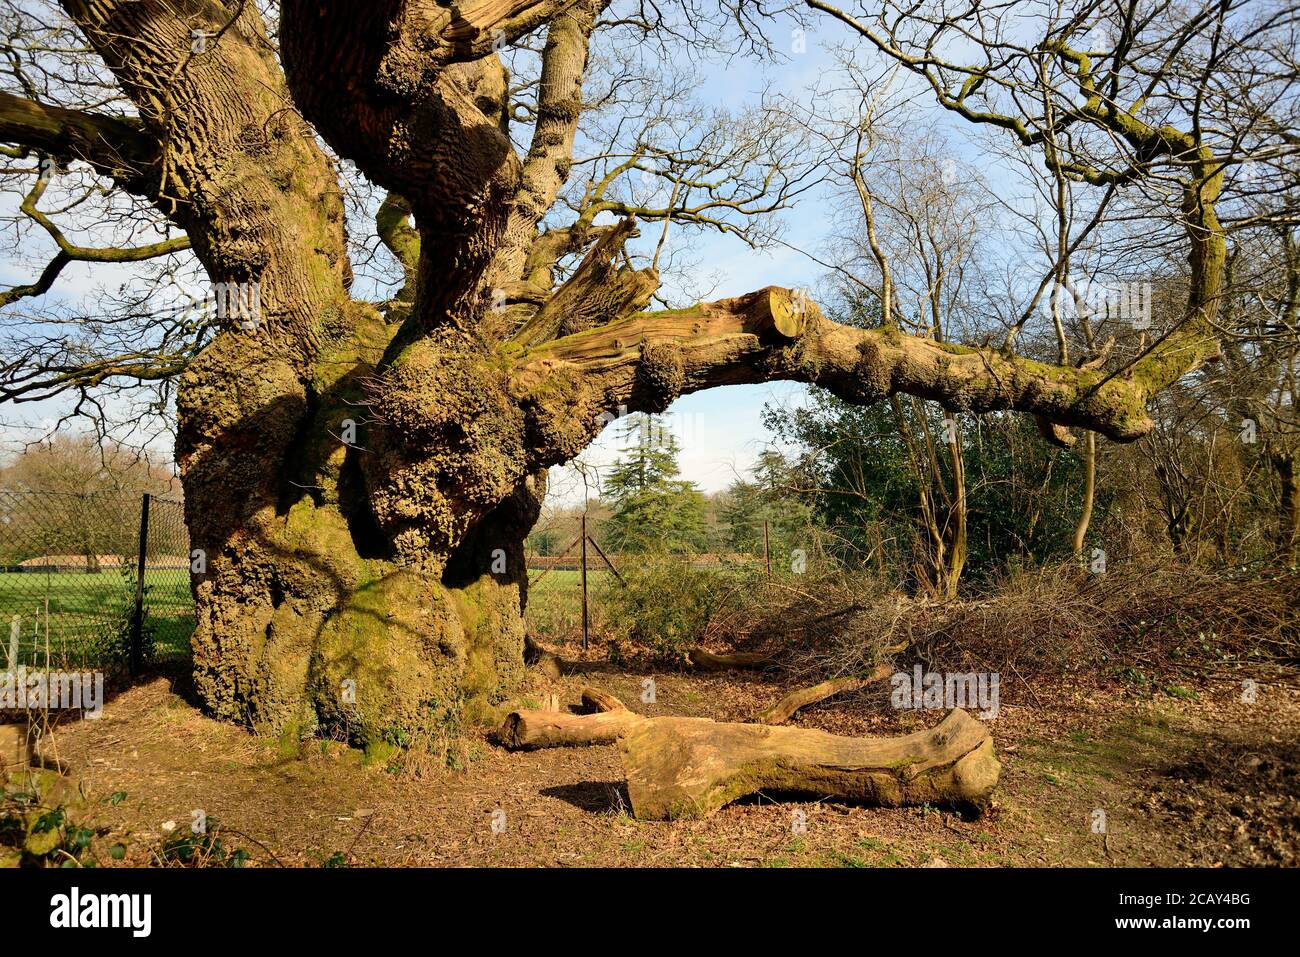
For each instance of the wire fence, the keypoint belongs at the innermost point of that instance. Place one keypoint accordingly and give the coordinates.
(574, 579)
(99, 580)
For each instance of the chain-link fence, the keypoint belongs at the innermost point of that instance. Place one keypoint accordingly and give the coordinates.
(72, 592)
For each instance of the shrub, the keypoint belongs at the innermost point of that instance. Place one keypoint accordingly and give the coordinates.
(1159, 617)
(666, 603)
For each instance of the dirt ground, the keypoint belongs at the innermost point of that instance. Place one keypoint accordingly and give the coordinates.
(1200, 778)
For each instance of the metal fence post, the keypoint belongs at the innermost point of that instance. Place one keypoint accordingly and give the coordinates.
(584, 581)
(137, 624)
(767, 550)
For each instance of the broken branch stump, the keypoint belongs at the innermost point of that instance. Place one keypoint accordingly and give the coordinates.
(595, 701)
(15, 749)
(691, 767)
(549, 663)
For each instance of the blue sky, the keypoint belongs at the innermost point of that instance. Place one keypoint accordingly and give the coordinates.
(720, 431)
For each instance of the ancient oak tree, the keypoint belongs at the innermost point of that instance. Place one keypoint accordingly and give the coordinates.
(361, 478)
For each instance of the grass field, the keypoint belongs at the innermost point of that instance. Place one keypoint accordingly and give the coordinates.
(85, 612)
(555, 603)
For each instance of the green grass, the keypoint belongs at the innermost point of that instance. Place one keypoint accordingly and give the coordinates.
(563, 579)
(85, 609)
(555, 602)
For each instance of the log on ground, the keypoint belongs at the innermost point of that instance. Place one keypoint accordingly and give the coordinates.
(594, 701)
(782, 711)
(708, 661)
(691, 767)
(559, 729)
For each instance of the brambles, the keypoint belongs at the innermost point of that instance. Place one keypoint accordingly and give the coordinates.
(206, 849)
(43, 823)
(1141, 617)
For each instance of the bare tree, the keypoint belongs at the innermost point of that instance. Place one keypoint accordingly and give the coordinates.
(905, 253)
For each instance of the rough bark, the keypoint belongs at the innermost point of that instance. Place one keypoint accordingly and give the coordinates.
(306, 620)
(691, 767)
(546, 167)
(236, 169)
(1288, 532)
(598, 292)
(15, 749)
(461, 424)
(377, 587)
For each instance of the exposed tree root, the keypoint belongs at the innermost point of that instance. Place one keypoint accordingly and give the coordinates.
(549, 663)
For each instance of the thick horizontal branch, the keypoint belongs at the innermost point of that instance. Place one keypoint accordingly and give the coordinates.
(645, 361)
(115, 146)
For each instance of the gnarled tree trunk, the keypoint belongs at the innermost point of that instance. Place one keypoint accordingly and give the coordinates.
(344, 586)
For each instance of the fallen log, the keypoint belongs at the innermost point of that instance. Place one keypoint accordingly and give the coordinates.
(784, 709)
(691, 767)
(533, 729)
(557, 729)
(708, 661)
(594, 701)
